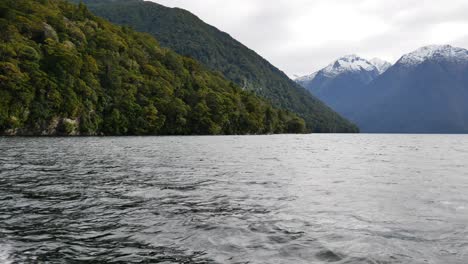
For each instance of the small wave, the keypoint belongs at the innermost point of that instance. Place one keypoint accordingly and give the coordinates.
(5, 254)
(328, 256)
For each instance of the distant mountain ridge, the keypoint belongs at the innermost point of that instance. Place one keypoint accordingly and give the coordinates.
(425, 91)
(185, 33)
(436, 53)
(336, 83)
(348, 64)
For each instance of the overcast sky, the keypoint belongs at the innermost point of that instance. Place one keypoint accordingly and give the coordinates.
(302, 36)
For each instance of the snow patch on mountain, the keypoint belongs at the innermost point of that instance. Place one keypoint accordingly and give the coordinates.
(381, 65)
(349, 63)
(434, 52)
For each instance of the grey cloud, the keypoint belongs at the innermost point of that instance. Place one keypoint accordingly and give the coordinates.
(266, 28)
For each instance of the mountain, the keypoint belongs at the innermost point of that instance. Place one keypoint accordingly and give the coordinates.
(188, 35)
(64, 71)
(337, 83)
(381, 65)
(426, 91)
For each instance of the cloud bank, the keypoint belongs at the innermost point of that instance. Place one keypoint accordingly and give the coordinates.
(302, 36)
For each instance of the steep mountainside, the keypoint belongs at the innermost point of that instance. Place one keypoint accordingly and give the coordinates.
(188, 35)
(426, 91)
(64, 71)
(340, 82)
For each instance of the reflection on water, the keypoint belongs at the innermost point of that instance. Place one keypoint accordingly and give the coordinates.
(266, 199)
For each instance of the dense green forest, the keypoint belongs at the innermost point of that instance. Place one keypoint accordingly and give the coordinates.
(64, 71)
(188, 35)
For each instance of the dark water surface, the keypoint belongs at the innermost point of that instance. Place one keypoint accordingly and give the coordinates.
(266, 199)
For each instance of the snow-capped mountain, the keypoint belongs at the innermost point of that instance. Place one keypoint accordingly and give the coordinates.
(380, 64)
(435, 53)
(426, 91)
(346, 64)
(341, 78)
(350, 63)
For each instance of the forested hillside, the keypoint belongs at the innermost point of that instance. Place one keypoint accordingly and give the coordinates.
(188, 35)
(64, 71)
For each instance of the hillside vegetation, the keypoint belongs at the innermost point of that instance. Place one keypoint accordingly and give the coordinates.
(64, 71)
(185, 33)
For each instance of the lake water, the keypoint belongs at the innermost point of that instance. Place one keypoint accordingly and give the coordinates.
(254, 199)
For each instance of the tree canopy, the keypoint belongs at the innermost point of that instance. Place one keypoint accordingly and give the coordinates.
(186, 34)
(64, 71)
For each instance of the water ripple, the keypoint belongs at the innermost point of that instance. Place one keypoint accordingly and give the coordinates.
(275, 199)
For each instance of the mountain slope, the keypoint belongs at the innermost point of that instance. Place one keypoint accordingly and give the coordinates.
(64, 71)
(426, 91)
(188, 35)
(340, 82)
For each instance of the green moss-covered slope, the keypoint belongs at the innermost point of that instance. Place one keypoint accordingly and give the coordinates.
(188, 35)
(64, 71)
